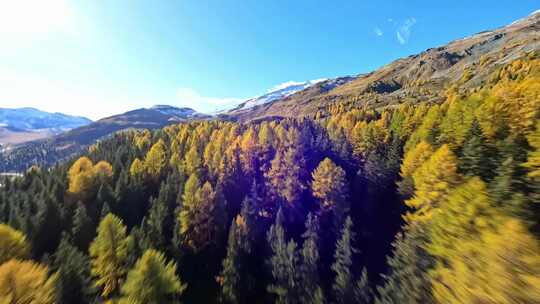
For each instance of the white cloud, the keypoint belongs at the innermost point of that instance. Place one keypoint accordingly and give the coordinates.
(403, 32)
(378, 31)
(188, 97)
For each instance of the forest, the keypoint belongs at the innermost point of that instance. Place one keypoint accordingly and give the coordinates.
(410, 203)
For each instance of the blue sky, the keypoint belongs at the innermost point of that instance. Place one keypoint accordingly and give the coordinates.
(97, 58)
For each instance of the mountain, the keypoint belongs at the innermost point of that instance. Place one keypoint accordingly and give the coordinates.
(51, 150)
(27, 124)
(279, 92)
(462, 65)
(422, 77)
(180, 113)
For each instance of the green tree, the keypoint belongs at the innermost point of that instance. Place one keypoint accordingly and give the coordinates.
(73, 284)
(83, 228)
(476, 157)
(343, 286)
(362, 291)
(310, 289)
(109, 253)
(153, 280)
(408, 281)
(233, 285)
(283, 263)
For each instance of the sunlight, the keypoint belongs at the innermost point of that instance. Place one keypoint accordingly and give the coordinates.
(33, 17)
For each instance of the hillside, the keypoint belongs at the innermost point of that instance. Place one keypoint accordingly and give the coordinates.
(423, 77)
(423, 187)
(51, 150)
(27, 124)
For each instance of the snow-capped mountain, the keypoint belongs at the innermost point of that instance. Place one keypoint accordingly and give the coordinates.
(278, 92)
(184, 113)
(30, 119)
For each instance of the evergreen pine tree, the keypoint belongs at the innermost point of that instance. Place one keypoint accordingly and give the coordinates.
(310, 289)
(343, 286)
(73, 284)
(408, 281)
(475, 158)
(283, 263)
(83, 230)
(362, 291)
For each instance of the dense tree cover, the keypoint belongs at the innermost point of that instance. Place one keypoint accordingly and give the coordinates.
(430, 203)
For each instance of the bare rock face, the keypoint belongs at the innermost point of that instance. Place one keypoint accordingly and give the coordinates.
(418, 78)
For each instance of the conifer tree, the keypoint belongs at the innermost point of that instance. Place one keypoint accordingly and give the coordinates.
(47, 223)
(500, 267)
(475, 155)
(200, 220)
(433, 181)
(154, 223)
(412, 160)
(466, 212)
(26, 282)
(283, 263)
(343, 285)
(286, 175)
(408, 281)
(83, 229)
(233, 284)
(192, 161)
(156, 160)
(310, 289)
(329, 184)
(362, 291)
(73, 284)
(189, 202)
(13, 244)
(109, 253)
(153, 280)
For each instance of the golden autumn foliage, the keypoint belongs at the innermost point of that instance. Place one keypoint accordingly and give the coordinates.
(13, 244)
(26, 282)
(412, 160)
(108, 252)
(83, 177)
(433, 182)
(156, 160)
(502, 266)
(329, 183)
(466, 212)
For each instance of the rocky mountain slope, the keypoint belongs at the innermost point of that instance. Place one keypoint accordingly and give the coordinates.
(425, 77)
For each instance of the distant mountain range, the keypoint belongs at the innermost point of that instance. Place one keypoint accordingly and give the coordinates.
(424, 77)
(56, 147)
(24, 124)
